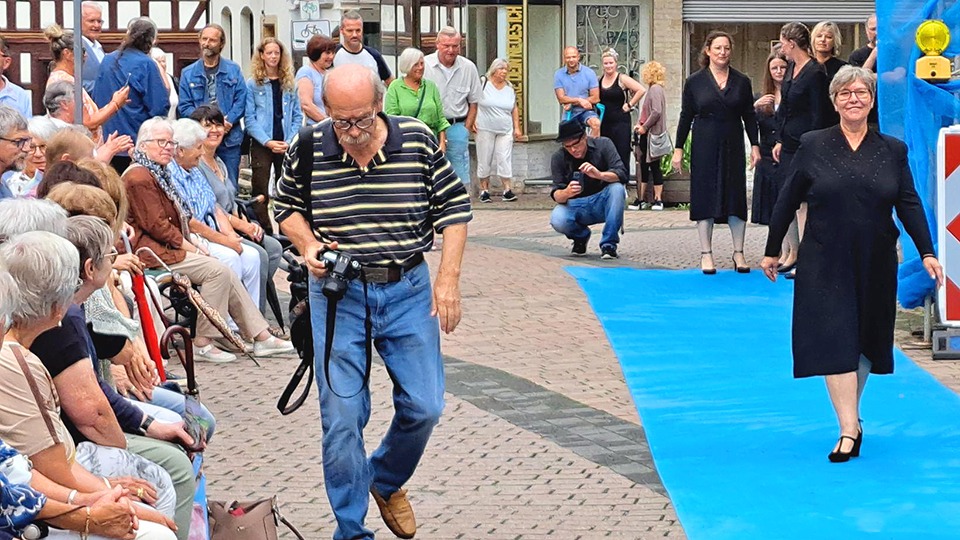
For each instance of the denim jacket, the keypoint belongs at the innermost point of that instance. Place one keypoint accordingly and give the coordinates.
(259, 121)
(231, 95)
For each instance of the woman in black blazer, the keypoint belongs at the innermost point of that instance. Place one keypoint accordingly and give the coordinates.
(718, 102)
(804, 106)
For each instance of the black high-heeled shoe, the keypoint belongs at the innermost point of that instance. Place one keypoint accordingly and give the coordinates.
(707, 271)
(841, 457)
(740, 269)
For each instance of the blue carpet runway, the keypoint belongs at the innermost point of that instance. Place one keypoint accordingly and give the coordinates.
(741, 446)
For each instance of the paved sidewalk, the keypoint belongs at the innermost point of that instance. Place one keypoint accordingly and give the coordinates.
(539, 439)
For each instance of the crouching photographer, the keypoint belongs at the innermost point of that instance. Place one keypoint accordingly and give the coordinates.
(373, 189)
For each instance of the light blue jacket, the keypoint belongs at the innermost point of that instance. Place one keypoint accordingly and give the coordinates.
(259, 120)
(231, 95)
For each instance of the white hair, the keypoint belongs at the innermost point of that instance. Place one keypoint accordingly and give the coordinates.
(158, 54)
(18, 216)
(448, 31)
(10, 121)
(44, 127)
(408, 58)
(151, 126)
(9, 297)
(188, 132)
(46, 269)
(87, 4)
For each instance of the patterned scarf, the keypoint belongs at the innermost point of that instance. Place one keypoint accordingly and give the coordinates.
(166, 184)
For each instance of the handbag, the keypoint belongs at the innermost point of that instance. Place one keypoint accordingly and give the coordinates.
(659, 145)
(255, 520)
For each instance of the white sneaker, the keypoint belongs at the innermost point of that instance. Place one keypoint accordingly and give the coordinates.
(212, 354)
(272, 346)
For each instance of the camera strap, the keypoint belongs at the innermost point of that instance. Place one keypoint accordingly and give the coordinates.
(306, 363)
(367, 341)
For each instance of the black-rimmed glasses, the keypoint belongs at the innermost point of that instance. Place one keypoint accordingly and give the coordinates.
(21, 143)
(360, 123)
(163, 143)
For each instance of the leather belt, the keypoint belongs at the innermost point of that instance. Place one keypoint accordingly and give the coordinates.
(457, 120)
(389, 274)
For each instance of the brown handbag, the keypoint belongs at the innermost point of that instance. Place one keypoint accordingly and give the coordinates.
(255, 520)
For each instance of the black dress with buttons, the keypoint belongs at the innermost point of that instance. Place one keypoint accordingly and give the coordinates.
(844, 301)
(718, 177)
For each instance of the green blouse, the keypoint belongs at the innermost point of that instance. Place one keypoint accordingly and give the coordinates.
(403, 100)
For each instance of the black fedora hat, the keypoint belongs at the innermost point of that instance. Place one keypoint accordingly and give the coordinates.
(569, 130)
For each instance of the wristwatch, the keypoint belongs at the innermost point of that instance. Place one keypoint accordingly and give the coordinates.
(145, 425)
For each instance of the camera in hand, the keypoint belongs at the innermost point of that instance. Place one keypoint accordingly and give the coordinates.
(341, 269)
(578, 177)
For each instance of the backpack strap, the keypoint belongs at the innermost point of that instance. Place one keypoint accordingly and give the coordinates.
(28, 375)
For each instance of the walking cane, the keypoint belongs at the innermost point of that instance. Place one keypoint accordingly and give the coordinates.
(146, 320)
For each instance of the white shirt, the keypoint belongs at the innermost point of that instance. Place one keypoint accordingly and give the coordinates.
(459, 84)
(495, 109)
(97, 48)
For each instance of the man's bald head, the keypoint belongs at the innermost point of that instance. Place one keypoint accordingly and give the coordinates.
(352, 87)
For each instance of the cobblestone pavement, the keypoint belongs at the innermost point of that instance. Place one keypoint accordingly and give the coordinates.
(539, 439)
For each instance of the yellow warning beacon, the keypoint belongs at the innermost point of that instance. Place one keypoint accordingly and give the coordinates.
(933, 36)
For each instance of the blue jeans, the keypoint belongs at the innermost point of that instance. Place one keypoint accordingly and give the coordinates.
(574, 218)
(458, 150)
(231, 158)
(407, 337)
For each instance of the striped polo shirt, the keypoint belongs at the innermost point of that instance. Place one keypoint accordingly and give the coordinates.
(384, 213)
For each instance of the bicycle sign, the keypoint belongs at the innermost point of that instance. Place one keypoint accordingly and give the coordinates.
(302, 31)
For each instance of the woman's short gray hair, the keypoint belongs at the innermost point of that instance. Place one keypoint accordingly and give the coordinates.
(9, 297)
(91, 236)
(497, 64)
(44, 127)
(151, 126)
(850, 74)
(158, 54)
(18, 216)
(188, 133)
(408, 58)
(45, 268)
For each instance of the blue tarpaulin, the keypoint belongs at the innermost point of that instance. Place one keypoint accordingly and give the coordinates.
(914, 110)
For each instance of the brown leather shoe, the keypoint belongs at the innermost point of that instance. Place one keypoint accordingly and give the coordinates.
(396, 513)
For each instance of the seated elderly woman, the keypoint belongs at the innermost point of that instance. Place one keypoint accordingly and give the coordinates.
(158, 215)
(45, 268)
(215, 172)
(24, 183)
(205, 216)
(92, 410)
(27, 495)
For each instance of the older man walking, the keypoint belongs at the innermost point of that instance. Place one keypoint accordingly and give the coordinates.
(459, 84)
(358, 169)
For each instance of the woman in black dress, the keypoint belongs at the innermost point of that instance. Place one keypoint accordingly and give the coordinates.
(826, 50)
(804, 107)
(845, 296)
(619, 94)
(766, 105)
(718, 102)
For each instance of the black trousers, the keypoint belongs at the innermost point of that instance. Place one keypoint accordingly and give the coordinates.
(648, 171)
(261, 158)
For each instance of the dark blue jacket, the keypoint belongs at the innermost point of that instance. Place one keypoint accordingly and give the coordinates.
(148, 95)
(231, 95)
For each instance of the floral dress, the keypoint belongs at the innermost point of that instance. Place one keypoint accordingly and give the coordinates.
(19, 503)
